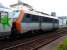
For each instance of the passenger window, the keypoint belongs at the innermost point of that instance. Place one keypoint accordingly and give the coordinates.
(0, 17)
(27, 18)
(46, 19)
(56, 21)
(35, 18)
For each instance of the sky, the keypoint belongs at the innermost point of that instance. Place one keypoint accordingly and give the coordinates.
(47, 6)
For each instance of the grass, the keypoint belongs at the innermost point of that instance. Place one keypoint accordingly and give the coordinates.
(62, 46)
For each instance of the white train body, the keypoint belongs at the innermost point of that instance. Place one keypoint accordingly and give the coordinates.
(33, 20)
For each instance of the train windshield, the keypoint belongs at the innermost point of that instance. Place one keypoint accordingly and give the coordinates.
(15, 13)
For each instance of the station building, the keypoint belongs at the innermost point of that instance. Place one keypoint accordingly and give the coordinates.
(63, 21)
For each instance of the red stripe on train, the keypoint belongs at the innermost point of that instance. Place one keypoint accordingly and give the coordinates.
(18, 21)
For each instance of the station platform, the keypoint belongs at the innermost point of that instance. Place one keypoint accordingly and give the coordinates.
(53, 45)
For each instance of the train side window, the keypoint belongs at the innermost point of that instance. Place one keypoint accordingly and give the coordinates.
(27, 18)
(43, 19)
(0, 17)
(51, 20)
(56, 21)
(35, 18)
(46, 19)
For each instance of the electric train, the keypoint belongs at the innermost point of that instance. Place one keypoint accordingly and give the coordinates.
(31, 21)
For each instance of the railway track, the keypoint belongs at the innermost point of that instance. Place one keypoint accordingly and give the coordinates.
(32, 43)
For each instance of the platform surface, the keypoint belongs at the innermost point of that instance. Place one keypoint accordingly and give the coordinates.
(54, 44)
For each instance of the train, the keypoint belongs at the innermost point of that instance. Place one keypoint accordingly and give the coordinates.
(33, 21)
(28, 21)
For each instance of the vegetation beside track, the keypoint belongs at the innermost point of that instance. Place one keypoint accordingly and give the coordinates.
(62, 46)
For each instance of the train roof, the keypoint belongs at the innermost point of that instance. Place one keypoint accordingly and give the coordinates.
(39, 14)
(34, 12)
(27, 10)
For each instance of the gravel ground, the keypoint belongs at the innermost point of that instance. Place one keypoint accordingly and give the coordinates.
(53, 45)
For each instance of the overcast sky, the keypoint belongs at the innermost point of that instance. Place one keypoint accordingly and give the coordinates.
(59, 6)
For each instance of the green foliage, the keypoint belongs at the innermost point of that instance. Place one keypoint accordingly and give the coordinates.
(62, 46)
(65, 42)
